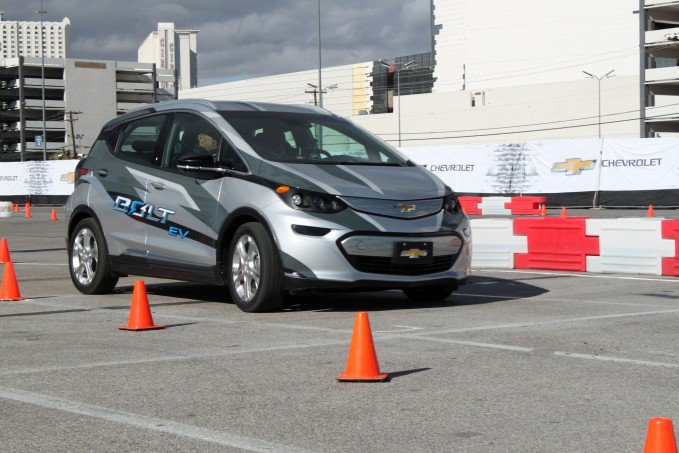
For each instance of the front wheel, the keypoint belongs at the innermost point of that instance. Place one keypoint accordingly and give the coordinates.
(434, 293)
(88, 259)
(253, 270)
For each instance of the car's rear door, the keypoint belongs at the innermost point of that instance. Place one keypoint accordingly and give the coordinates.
(121, 203)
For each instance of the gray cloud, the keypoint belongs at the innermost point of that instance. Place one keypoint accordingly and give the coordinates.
(240, 38)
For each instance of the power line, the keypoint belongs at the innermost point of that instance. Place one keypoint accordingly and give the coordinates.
(667, 115)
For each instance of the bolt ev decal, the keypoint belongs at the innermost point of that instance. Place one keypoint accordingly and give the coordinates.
(143, 210)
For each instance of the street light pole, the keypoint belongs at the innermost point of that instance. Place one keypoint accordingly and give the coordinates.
(599, 79)
(595, 200)
(42, 74)
(399, 68)
(320, 83)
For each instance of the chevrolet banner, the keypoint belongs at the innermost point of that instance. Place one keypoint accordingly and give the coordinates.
(565, 166)
(52, 177)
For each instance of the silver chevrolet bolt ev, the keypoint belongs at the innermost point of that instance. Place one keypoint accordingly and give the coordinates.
(266, 199)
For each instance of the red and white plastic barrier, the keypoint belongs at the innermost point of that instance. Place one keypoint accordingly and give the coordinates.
(629, 245)
(523, 205)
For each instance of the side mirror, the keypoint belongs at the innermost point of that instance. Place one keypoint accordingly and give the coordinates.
(199, 162)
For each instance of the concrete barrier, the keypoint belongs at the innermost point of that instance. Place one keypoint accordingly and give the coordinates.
(495, 206)
(495, 243)
(629, 246)
(4, 209)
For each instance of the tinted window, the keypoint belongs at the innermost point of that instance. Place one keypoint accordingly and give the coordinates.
(311, 138)
(140, 138)
(190, 134)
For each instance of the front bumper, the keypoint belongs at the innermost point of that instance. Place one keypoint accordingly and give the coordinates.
(327, 262)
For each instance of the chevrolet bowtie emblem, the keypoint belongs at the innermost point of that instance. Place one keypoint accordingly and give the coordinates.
(573, 166)
(414, 253)
(403, 207)
(68, 177)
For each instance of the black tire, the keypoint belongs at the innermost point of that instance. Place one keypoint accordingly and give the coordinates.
(103, 281)
(432, 293)
(269, 293)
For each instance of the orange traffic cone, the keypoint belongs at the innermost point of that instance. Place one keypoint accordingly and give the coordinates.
(140, 311)
(11, 206)
(15, 208)
(563, 211)
(543, 210)
(10, 288)
(28, 211)
(362, 362)
(651, 213)
(54, 215)
(4, 252)
(660, 436)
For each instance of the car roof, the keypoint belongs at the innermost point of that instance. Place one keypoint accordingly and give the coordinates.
(222, 106)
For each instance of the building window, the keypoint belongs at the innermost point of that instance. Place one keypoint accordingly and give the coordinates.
(478, 98)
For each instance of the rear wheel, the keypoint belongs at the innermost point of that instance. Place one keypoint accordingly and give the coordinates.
(253, 270)
(433, 293)
(88, 259)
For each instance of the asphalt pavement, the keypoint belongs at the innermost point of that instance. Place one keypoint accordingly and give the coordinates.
(515, 361)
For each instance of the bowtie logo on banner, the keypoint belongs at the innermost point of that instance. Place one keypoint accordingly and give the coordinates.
(573, 166)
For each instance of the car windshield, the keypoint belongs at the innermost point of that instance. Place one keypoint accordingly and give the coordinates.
(304, 138)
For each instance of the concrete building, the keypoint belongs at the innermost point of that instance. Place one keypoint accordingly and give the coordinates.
(170, 48)
(22, 38)
(483, 44)
(659, 75)
(80, 96)
(346, 89)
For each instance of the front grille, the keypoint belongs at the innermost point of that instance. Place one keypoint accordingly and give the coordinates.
(383, 265)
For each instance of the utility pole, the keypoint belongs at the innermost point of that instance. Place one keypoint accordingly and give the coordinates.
(315, 91)
(70, 120)
(42, 73)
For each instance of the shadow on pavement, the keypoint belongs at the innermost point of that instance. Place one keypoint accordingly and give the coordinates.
(479, 290)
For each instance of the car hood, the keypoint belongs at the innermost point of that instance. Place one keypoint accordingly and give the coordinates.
(367, 181)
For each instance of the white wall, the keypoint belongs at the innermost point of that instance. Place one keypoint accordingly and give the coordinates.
(353, 83)
(519, 42)
(509, 113)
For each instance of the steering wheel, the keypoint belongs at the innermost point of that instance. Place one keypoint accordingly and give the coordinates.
(308, 152)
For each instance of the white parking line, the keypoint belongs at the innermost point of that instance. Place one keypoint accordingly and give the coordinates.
(548, 322)
(553, 299)
(144, 422)
(604, 358)
(583, 275)
(469, 343)
(171, 358)
(39, 264)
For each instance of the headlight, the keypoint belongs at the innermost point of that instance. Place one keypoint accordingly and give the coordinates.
(305, 200)
(450, 203)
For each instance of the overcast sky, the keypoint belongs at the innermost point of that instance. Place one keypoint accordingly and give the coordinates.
(243, 38)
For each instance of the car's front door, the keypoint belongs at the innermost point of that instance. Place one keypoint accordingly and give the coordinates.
(184, 234)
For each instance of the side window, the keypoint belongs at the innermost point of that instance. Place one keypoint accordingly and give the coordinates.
(140, 138)
(190, 134)
(231, 159)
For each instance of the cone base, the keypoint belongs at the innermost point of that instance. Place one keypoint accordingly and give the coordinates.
(378, 377)
(12, 300)
(135, 329)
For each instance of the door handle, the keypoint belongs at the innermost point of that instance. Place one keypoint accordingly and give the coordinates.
(157, 185)
(103, 173)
